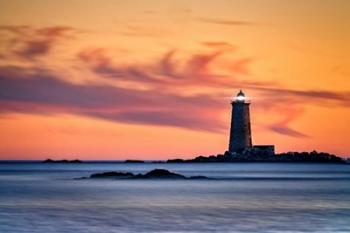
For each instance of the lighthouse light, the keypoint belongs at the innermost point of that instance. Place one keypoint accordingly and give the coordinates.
(240, 98)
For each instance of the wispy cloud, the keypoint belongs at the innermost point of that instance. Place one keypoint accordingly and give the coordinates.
(218, 44)
(154, 93)
(225, 22)
(288, 113)
(285, 130)
(39, 91)
(320, 97)
(168, 71)
(29, 43)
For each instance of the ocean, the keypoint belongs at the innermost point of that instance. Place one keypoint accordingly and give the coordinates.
(246, 197)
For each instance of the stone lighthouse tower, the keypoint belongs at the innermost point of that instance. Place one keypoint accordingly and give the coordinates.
(240, 134)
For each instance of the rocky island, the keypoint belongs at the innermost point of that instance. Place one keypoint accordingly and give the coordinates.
(62, 161)
(133, 161)
(153, 174)
(252, 155)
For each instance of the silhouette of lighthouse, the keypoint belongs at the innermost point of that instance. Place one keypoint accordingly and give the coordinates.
(240, 134)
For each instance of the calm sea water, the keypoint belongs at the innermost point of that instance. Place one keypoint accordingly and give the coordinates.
(253, 197)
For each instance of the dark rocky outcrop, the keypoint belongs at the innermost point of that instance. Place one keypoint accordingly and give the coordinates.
(160, 174)
(112, 175)
(154, 174)
(134, 161)
(258, 156)
(62, 161)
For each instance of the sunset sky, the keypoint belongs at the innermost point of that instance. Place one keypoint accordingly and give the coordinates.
(153, 79)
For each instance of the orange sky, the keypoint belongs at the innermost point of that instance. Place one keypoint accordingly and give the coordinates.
(114, 79)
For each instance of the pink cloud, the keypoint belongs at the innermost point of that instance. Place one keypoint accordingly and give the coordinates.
(29, 43)
(37, 90)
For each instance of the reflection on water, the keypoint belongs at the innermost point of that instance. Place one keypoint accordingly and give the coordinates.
(38, 197)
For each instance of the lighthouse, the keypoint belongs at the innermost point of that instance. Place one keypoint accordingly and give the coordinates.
(240, 133)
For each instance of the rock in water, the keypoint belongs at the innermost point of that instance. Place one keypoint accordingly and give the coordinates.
(112, 175)
(61, 161)
(154, 174)
(134, 161)
(161, 174)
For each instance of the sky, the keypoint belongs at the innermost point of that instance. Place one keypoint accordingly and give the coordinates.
(113, 79)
